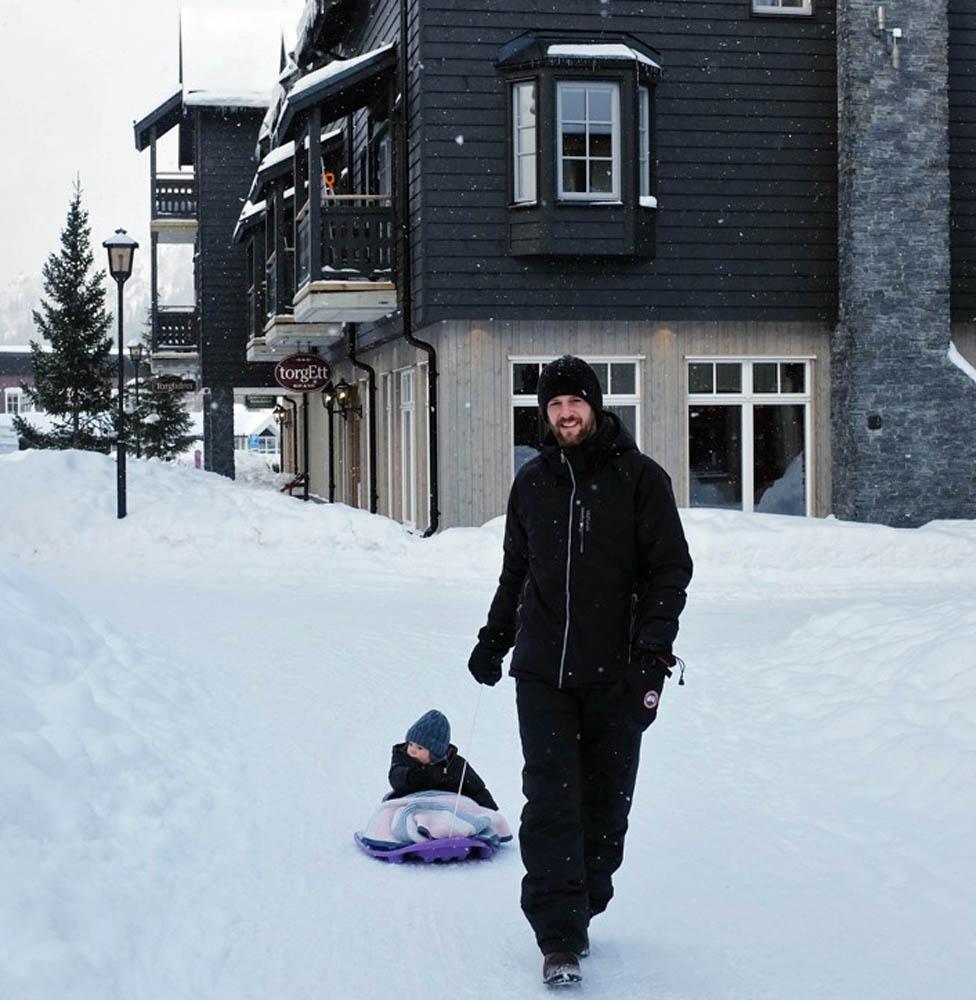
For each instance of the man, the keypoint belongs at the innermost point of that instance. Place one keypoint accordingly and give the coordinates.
(593, 581)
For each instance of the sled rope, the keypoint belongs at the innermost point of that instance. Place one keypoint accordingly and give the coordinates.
(467, 753)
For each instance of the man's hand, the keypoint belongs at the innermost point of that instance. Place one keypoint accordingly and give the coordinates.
(485, 664)
(640, 691)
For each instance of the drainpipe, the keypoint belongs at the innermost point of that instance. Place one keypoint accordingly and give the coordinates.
(305, 441)
(374, 499)
(294, 427)
(405, 276)
(332, 483)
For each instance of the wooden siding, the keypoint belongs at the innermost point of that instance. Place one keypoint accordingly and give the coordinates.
(224, 167)
(962, 156)
(390, 359)
(475, 394)
(745, 144)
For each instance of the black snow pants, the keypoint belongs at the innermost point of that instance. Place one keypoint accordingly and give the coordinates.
(578, 781)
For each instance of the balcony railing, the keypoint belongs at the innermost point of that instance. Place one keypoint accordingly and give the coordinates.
(175, 196)
(279, 301)
(357, 240)
(176, 329)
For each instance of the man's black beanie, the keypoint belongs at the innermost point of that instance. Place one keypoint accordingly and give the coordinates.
(569, 376)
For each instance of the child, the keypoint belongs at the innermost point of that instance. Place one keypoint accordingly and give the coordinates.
(428, 761)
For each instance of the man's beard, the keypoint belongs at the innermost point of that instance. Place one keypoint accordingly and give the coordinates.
(586, 431)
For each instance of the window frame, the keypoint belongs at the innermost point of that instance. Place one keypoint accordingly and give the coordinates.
(747, 398)
(16, 395)
(615, 194)
(773, 8)
(516, 86)
(643, 143)
(527, 401)
(408, 439)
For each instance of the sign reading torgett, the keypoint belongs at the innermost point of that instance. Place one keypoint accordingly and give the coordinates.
(302, 373)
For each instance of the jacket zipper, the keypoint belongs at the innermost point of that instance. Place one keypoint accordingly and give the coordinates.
(569, 563)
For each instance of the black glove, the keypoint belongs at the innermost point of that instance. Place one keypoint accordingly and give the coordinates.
(640, 690)
(485, 664)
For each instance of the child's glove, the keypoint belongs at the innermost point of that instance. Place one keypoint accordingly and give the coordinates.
(640, 690)
(485, 664)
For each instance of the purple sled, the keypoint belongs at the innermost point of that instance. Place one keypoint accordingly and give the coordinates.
(445, 849)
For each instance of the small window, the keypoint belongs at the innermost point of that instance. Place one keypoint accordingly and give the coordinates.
(14, 401)
(644, 140)
(523, 143)
(588, 150)
(782, 6)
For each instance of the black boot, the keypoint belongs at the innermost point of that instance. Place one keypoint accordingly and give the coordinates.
(561, 968)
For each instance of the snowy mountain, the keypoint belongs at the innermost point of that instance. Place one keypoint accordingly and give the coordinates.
(198, 703)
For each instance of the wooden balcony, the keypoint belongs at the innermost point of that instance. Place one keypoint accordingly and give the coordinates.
(350, 280)
(174, 208)
(176, 342)
(284, 332)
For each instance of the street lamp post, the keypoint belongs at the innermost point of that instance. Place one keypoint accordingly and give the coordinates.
(135, 353)
(121, 248)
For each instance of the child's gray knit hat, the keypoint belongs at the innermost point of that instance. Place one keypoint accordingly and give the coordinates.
(432, 731)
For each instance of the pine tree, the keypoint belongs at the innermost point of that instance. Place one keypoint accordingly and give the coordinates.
(72, 380)
(161, 421)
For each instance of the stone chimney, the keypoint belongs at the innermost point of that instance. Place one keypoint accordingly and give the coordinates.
(903, 417)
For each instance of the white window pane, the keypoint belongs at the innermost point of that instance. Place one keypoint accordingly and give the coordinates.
(574, 140)
(601, 141)
(628, 417)
(701, 376)
(728, 377)
(715, 456)
(599, 105)
(764, 377)
(623, 379)
(525, 97)
(600, 369)
(574, 176)
(601, 176)
(573, 104)
(525, 187)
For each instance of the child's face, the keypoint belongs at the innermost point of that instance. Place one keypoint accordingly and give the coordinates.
(419, 753)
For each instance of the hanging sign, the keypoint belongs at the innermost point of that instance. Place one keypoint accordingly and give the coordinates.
(302, 373)
(174, 383)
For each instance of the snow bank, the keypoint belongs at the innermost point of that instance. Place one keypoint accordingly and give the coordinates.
(95, 803)
(57, 503)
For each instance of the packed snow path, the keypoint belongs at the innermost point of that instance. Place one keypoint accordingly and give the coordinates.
(197, 705)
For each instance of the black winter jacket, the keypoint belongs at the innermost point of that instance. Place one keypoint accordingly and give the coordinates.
(596, 563)
(408, 775)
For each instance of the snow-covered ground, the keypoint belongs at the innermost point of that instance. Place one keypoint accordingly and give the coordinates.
(197, 704)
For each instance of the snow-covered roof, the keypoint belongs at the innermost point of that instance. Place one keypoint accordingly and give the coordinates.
(249, 211)
(226, 99)
(164, 116)
(599, 51)
(335, 68)
(277, 155)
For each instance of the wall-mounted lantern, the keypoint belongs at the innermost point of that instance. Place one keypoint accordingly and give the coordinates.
(892, 36)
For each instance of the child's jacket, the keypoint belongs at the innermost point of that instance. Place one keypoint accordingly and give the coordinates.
(408, 775)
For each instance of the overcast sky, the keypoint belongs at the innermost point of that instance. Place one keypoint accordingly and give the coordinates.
(76, 74)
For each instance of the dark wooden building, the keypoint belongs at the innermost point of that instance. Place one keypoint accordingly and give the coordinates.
(695, 196)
